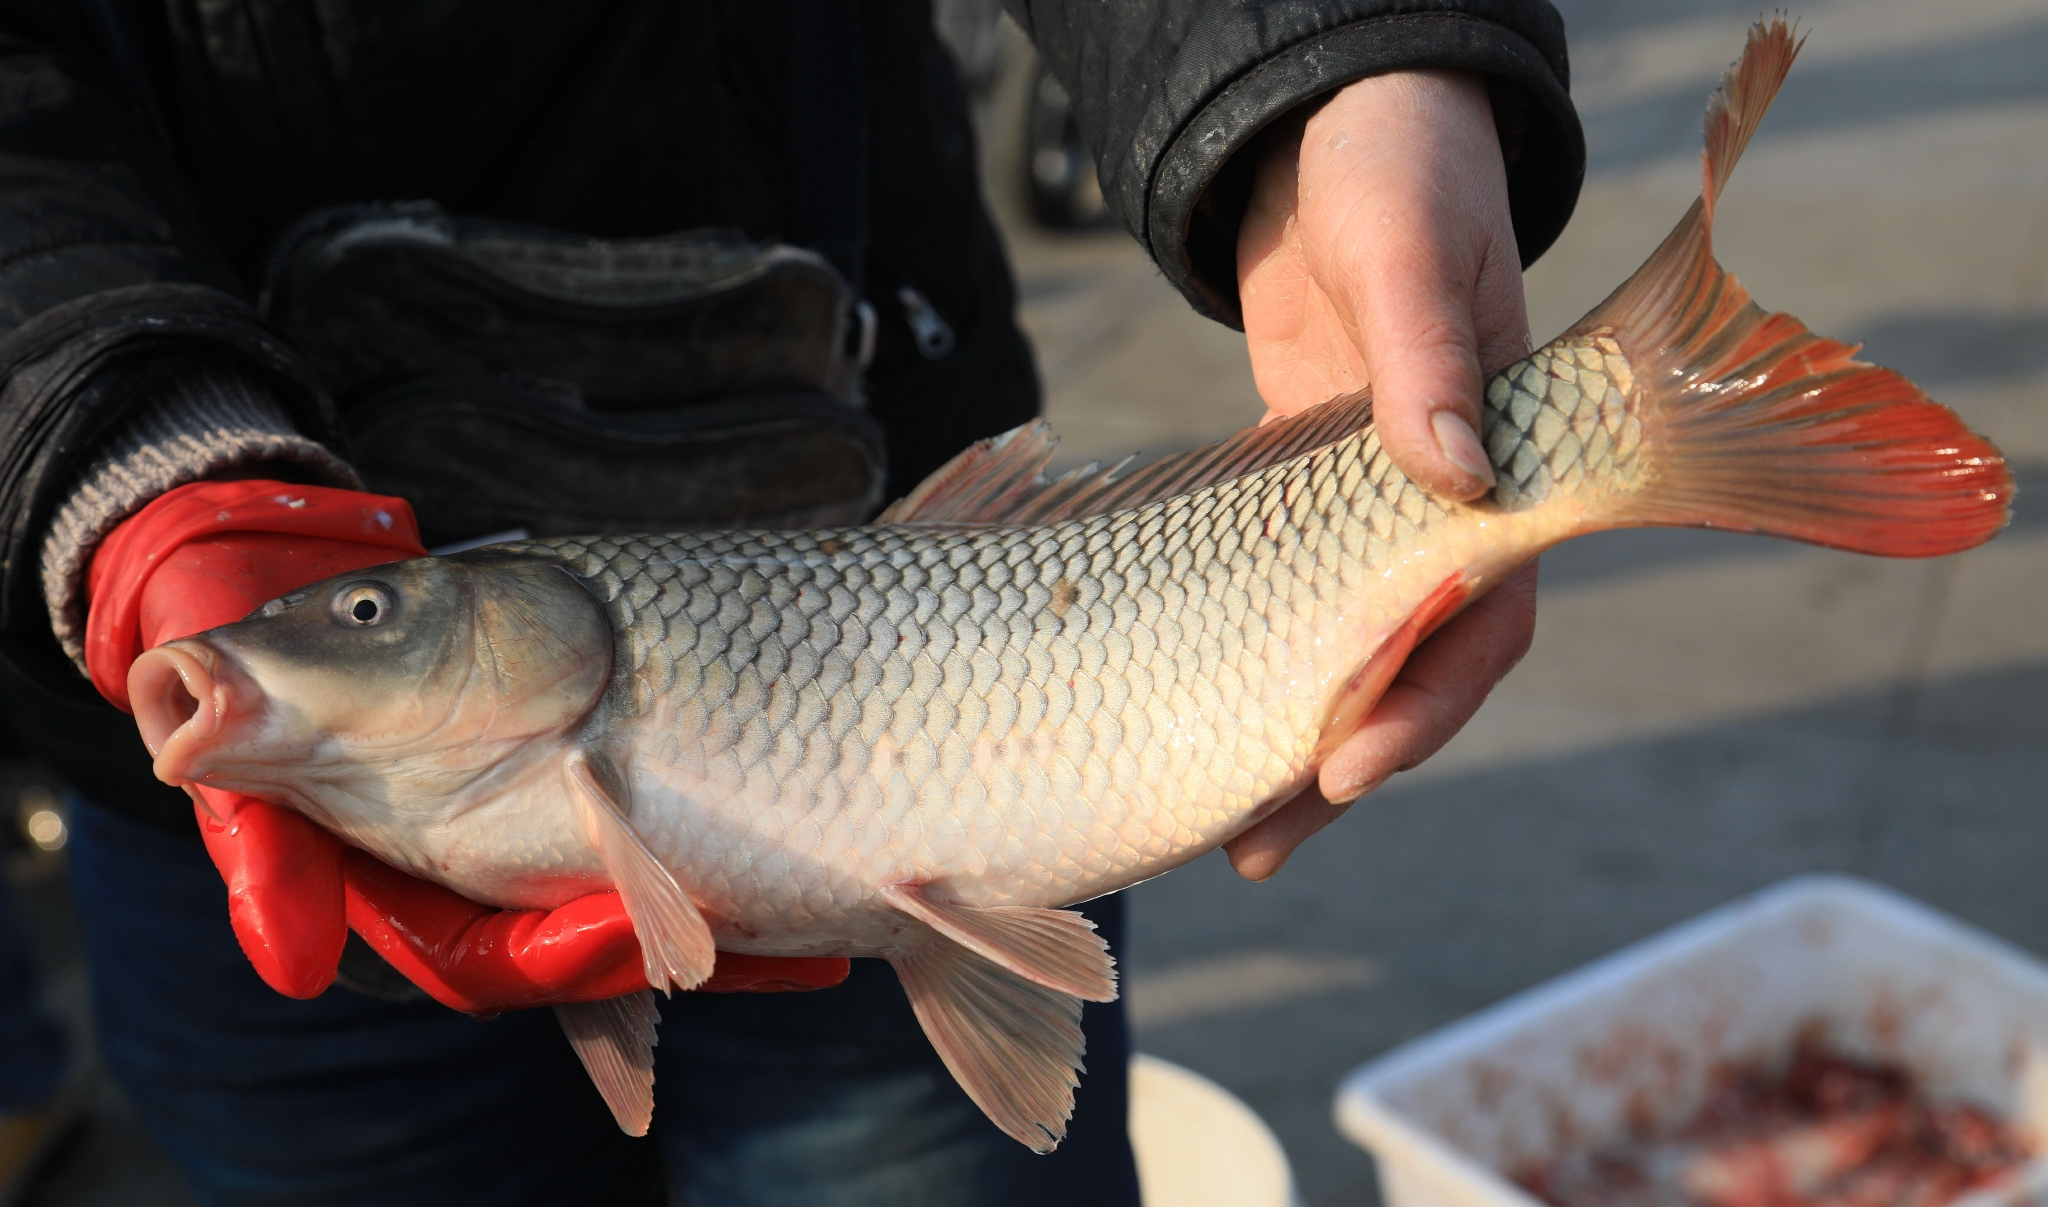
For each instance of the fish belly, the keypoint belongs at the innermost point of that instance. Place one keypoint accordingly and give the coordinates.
(1025, 716)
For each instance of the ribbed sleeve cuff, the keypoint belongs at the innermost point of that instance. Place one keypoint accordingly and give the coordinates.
(207, 423)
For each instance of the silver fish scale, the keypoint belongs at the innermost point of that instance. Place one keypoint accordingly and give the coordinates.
(1044, 713)
(1559, 417)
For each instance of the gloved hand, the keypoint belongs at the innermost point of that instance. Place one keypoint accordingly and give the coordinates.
(210, 553)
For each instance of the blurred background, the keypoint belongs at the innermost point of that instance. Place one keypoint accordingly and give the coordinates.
(1702, 715)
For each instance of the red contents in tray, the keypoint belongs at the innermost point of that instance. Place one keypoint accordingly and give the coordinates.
(1826, 1132)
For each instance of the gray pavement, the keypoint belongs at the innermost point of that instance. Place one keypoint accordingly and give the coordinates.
(1701, 715)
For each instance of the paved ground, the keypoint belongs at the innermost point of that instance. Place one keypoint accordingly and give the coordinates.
(1702, 715)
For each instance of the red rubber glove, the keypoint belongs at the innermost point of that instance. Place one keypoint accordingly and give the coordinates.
(212, 552)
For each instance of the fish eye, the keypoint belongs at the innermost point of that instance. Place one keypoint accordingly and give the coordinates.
(362, 605)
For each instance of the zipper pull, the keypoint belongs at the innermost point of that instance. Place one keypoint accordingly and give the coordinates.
(934, 335)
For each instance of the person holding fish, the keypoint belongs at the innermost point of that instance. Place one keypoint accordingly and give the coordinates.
(295, 292)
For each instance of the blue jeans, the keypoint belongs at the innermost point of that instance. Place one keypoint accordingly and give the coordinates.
(828, 1099)
(32, 1050)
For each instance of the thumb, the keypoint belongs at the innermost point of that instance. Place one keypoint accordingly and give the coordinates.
(1409, 230)
(1422, 351)
(283, 877)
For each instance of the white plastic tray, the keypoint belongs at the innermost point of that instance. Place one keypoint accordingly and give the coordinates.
(1639, 1035)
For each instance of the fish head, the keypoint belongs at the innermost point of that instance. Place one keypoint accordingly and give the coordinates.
(395, 689)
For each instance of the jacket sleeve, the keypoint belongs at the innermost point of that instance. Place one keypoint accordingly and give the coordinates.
(109, 286)
(1169, 94)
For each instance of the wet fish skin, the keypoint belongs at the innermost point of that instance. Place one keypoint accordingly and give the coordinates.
(1021, 716)
(1040, 716)
(1559, 419)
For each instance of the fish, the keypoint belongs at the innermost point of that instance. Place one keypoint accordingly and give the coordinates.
(926, 738)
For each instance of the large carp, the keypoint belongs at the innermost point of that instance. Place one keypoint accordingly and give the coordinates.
(920, 739)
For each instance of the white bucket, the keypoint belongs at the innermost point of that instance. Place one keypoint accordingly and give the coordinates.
(1198, 1145)
(1570, 1064)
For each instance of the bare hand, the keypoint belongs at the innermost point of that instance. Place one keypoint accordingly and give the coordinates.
(1378, 250)
(1444, 682)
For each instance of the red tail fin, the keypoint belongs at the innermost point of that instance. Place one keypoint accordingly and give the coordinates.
(1753, 422)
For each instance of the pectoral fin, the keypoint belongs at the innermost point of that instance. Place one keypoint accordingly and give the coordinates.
(1056, 948)
(1369, 682)
(615, 1039)
(1013, 1045)
(675, 941)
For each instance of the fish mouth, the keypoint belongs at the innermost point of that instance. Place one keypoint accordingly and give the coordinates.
(182, 703)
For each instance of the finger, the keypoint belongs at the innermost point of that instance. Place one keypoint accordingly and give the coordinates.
(1443, 684)
(482, 960)
(283, 876)
(1415, 245)
(1423, 359)
(1260, 851)
(1426, 349)
(1413, 299)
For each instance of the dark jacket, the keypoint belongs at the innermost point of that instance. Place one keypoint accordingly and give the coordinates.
(153, 151)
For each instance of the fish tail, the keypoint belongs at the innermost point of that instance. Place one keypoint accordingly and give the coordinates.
(1690, 406)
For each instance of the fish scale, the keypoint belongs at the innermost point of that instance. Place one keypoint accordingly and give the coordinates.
(1122, 685)
(1559, 417)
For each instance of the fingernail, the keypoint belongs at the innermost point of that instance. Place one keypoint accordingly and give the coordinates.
(1259, 873)
(1349, 793)
(1460, 445)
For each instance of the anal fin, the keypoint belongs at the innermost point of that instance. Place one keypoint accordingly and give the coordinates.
(1369, 682)
(1013, 1045)
(615, 1039)
(1056, 948)
(675, 941)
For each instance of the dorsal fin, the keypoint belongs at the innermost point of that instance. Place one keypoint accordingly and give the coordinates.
(1002, 480)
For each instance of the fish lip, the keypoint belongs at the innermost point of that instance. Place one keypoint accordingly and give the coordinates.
(182, 702)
